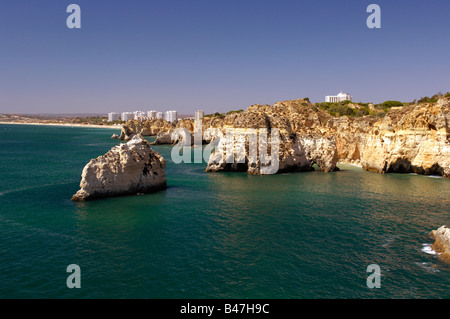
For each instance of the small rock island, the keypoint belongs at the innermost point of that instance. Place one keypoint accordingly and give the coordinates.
(129, 168)
(442, 242)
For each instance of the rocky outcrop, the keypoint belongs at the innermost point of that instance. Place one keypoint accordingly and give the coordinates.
(127, 168)
(163, 138)
(410, 139)
(442, 242)
(299, 145)
(414, 139)
(351, 136)
(160, 127)
(152, 128)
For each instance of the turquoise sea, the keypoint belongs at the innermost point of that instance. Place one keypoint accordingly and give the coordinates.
(211, 235)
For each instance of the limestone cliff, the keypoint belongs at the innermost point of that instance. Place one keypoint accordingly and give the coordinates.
(152, 128)
(351, 136)
(128, 168)
(410, 139)
(145, 128)
(413, 139)
(301, 142)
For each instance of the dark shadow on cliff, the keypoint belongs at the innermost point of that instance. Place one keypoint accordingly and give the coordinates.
(404, 166)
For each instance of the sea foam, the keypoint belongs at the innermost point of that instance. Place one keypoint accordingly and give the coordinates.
(426, 248)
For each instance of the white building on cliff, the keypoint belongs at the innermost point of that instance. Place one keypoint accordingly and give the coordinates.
(338, 98)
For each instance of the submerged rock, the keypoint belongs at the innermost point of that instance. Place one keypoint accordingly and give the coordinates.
(114, 136)
(442, 242)
(129, 168)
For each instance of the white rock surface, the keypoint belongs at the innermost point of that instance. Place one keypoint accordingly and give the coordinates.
(126, 169)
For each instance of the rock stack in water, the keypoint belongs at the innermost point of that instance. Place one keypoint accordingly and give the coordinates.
(129, 168)
(300, 144)
(442, 242)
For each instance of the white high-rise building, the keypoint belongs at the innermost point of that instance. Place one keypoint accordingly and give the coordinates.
(171, 116)
(152, 114)
(338, 98)
(126, 116)
(199, 115)
(159, 115)
(138, 115)
(113, 117)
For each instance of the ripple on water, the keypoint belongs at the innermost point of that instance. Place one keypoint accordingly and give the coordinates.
(428, 266)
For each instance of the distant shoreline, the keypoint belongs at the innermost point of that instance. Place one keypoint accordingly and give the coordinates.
(66, 125)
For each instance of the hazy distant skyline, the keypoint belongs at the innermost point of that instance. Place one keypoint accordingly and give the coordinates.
(216, 55)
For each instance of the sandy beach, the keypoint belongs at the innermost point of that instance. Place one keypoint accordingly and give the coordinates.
(117, 127)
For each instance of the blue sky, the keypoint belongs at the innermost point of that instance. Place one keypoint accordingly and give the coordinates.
(217, 55)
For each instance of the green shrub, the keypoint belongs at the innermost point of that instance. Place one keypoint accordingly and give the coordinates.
(426, 99)
(238, 111)
(325, 105)
(340, 110)
(337, 109)
(389, 104)
(362, 112)
(217, 114)
(346, 102)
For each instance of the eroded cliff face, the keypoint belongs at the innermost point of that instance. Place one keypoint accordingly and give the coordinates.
(351, 136)
(415, 138)
(144, 128)
(128, 168)
(163, 130)
(298, 145)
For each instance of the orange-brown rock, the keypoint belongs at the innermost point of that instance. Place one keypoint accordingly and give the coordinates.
(442, 242)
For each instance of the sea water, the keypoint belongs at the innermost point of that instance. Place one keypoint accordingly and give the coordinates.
(211, 235)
